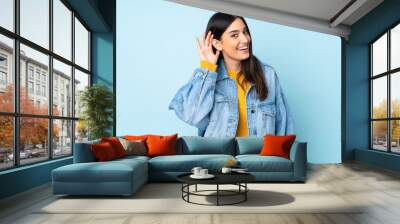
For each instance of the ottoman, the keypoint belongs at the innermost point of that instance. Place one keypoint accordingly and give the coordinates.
(118, 177)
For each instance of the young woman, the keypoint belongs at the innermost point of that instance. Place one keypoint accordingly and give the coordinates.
(232, 93)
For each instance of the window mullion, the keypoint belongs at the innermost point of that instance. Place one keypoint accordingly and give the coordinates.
(16, 84)
(371, 137)
(73, 82)
(389, 114)
(50, 81)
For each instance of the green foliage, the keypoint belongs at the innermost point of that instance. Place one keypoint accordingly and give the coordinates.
(97, 104)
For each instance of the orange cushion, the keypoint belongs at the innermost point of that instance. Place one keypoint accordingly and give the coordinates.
(116, 145)
(103, 151)
(277, 145)
(161, 145)
(136, 137)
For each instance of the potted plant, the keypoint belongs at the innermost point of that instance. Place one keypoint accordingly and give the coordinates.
(96, 102)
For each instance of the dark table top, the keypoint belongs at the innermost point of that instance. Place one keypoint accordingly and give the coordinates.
(220, 178)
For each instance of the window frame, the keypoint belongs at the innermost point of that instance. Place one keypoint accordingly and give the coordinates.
(388, 74)
(16, 115)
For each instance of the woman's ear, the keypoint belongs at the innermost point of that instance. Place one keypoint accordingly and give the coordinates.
(217, 44)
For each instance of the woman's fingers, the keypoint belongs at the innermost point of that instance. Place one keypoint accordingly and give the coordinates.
(198, 44)
(204, 46)
(204, 40)
(207, 41)
(210, 40)
(201, 41)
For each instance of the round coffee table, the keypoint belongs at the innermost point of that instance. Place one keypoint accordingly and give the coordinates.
(238, 179)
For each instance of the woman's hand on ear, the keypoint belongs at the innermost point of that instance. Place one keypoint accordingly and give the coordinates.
(204, 45)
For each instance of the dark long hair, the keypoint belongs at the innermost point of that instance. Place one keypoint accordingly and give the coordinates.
(251, 68)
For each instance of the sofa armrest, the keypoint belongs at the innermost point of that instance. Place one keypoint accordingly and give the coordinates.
(83, 152)
(298, 155)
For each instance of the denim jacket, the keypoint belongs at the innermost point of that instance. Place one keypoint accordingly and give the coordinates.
(209, 102)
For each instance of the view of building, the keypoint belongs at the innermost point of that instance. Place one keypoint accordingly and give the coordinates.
(34, 82)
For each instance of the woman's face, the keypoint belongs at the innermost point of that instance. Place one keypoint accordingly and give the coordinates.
(235, 41)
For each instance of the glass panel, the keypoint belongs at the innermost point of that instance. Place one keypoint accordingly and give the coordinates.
(395, 95)
(35, 21)
(81, 131)
(62, 89)
(7, 14)
(395, 47)
(6, 142)
(33, 139)
(379, 97)
(81, 81)
(6, 74)
(62, 137)
(62, 29)
(395, 136)
(34, 82)
(379, 135)
(379, 55)
(81, 45)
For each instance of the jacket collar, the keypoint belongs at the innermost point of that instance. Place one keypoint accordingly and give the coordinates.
(221, 71)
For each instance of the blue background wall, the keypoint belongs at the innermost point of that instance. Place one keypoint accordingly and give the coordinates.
(156, 55)
(357, 85)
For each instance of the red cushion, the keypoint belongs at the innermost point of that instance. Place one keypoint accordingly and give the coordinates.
(136, 137)
(116, 145)
(277, 145)
(103, 151)
(161, 145)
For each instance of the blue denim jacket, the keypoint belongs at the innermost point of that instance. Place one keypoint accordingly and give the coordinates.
(209, 102)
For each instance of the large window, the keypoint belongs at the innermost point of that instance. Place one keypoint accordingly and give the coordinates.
(385, 91)
(44, 64)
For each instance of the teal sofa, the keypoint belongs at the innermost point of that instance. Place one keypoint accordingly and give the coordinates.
(125, 176)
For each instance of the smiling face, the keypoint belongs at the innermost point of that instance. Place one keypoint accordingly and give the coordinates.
(235, 41)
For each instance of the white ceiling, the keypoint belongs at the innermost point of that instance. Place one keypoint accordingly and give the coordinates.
(326, 16)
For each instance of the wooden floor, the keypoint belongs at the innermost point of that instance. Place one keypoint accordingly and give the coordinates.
(377, 188)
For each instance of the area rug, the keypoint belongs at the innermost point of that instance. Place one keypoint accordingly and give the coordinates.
(167, 198)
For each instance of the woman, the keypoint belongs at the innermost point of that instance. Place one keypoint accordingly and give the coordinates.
(232, 93)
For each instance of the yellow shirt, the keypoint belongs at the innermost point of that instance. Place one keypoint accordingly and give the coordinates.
(242, 130)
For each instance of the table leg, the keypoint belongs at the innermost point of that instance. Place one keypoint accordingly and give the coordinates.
(188, 190)
(217, 194)
(196, 188)
(245, 193)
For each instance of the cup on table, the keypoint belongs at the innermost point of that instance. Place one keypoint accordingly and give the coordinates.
(203, 172)
(226, 170)
(196, 171)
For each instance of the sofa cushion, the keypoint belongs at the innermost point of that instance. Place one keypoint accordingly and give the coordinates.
(277, 145)
(103, 152)
(135, 147)
(111, 171)
(132, 158)
(185, 163)
(136, 137)
(116, 145)
(249, 145)
(257, 163)
(195, 145)
(161, 145)
(83, 152)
